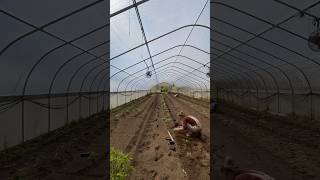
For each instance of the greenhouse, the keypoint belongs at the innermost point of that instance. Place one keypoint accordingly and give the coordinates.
(159, 89)
(265, 71)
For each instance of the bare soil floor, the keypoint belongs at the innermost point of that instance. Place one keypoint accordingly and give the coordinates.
(57, 155)
(143, 130)
(282, 147)
(193, 152)
(285, 148)
(139, 127)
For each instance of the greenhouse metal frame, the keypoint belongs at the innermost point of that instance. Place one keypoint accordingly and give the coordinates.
(261, 68)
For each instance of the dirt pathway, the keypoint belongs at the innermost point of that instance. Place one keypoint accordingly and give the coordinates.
(197, 109)
(142, 132)
(193, 152)
(57, 155)
(120, 112)
(124, 134)
(153, 158)
(266, 143)
(283, 148)
(257, 143)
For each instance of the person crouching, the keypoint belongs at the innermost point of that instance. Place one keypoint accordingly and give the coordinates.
(189, 125)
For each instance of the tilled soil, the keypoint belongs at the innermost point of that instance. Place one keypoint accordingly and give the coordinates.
(193, 152)
(277, 146)
(139, 127)
(282, 149)
(153, 158)
(143, 133)
(285, 148)
(56, 155)
(125, 133)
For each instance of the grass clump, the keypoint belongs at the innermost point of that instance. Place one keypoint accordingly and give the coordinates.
(120, 165)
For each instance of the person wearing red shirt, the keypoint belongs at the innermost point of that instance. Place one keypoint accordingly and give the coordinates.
(189, 124)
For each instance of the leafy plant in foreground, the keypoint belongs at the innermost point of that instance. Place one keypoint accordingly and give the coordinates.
(120, 165)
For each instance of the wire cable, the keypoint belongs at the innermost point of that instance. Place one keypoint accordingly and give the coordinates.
(145, 38)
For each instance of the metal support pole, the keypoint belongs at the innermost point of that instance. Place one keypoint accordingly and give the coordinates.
(80, 107)
(22, 119)
(90, 105)
(278, 102)
(293, 105)
(103, 99)
(49, 113)
(67, 109)
(125, 97)
(117, 99)
(311, 106)
(98, 102)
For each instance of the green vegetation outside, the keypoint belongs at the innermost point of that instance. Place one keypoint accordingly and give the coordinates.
(164, 89)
